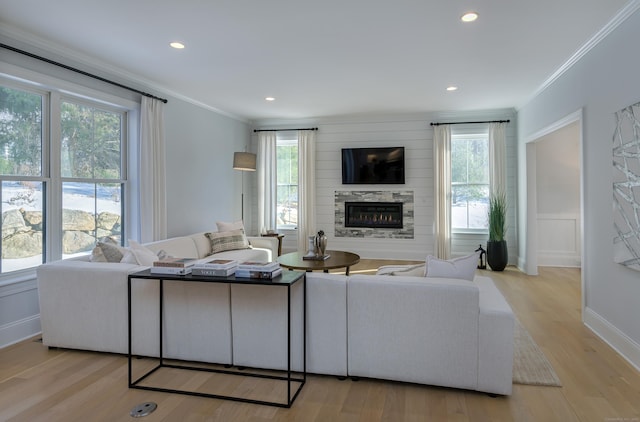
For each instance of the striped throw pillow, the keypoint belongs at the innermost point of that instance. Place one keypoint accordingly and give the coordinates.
(227, 241)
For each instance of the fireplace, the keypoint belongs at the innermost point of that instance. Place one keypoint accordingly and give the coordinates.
(381, 215)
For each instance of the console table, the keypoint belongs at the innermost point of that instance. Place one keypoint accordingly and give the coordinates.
(286, 280)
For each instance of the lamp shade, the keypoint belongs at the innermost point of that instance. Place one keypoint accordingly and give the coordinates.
(244, 161)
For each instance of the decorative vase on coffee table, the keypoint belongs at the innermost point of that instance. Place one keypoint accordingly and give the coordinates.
(320, 243)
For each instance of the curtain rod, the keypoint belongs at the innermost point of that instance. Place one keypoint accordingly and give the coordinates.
(82, 72)
(469, 123)
(282, 130)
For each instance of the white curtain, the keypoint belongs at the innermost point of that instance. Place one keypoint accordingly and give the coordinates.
(497, 159)
(153, 196)
(442, 173)
(267, 181)
(306, 186)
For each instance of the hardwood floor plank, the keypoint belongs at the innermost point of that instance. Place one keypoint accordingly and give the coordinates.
(41, 384)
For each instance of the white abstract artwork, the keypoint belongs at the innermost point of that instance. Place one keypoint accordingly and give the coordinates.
(626, 187)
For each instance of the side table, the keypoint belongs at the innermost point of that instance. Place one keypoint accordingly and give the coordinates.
(279, 236)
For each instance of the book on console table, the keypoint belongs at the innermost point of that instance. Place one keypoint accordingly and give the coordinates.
(217, 264)
(316, 257)
(170, 270)
(258, 266)
(212, 272)
(174, 262)
(258, 274)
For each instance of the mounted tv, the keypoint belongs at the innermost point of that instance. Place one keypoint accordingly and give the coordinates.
(373, 165)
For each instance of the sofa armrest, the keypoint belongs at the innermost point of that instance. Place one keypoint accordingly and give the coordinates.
(413, 329)
(265, 242)
(495, 334)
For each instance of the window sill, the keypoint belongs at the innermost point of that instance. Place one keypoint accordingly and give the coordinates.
(479, 232)
(17, 277)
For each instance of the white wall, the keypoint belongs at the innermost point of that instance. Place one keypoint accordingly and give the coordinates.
(202, 186)
(602, 82)
(414, 133)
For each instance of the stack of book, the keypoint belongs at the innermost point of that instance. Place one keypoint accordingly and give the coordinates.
(173, 266)
(251, 269)
(215, 268)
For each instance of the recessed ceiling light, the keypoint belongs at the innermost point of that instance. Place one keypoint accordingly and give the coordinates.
(452, 88)
(469, 17)
(269, 99)
(177, 45)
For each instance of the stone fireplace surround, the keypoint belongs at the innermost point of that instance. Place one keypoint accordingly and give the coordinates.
(404, 197)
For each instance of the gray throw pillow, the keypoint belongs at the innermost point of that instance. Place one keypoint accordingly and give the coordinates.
(107, 252)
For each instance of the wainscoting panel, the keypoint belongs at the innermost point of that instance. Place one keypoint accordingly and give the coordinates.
(559, 240)
(19, 311)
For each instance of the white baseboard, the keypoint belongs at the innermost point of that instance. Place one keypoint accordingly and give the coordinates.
(17, 331)
(558, 260)
(619, 341)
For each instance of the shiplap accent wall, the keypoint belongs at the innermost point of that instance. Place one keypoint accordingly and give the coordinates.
(412, 131)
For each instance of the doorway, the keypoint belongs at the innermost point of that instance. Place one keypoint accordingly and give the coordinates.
(554, 195)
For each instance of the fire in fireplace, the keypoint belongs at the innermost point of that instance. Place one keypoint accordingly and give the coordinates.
(381, 215)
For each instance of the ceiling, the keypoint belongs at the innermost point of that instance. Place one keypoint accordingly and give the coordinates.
(322, 57)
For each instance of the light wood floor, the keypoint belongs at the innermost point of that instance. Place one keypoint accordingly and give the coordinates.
(37, 384)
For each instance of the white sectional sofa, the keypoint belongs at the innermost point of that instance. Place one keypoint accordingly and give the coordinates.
(437, 331)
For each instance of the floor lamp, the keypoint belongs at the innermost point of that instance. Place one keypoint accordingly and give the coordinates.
(244, 161)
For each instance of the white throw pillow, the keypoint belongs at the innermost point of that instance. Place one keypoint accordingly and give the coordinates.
(227, 227)
(463, 268)
(128, 257)
(143, 255)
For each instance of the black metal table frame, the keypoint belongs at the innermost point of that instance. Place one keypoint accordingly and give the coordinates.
(145, 275)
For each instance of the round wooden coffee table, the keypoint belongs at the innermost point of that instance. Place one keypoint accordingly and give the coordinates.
(337, 259)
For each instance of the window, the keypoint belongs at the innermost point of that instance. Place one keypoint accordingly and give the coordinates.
(62, 188)
(92, 182)
(469, 182)
(22, 119)
(287, 178)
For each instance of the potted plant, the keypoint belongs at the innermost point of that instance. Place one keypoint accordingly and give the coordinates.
(497, 255)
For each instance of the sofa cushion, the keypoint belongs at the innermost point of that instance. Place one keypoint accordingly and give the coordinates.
(227, 241)
(179, 247)
(463, 268)
(228, 227)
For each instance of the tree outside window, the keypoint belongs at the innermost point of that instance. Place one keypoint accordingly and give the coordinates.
(287, 179)
(89, 179)
(469, 182)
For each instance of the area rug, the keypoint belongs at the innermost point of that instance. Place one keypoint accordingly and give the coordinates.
(530, 365)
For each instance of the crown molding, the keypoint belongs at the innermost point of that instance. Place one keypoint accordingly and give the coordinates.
(624, 13)
(27, 42)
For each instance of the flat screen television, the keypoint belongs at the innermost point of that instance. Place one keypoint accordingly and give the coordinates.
(373, 165)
